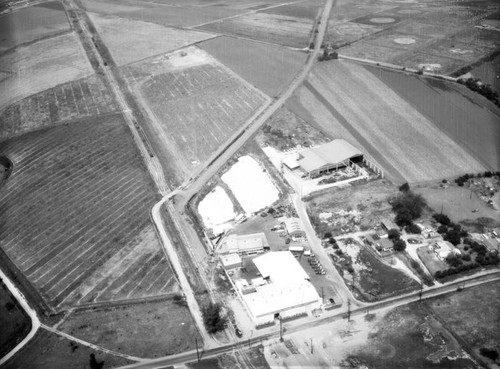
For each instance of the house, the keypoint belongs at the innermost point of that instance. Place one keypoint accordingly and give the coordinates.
(387, 224)
(443, 249)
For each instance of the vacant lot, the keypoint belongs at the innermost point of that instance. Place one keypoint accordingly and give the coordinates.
(472, 315)
(430, 260)
(48, 351)
(66, 102)
(253, 357)
(408, 337)
(42, 65)
(33, 23)
(151, 329)
(272, 28)
(13, 320)
(76, 214)
(143, 39)
(466, 117)
(197, 109)
(269, 68)
(406, 144)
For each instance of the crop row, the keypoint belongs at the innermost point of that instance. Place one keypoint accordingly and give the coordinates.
(200, 108)
(78, 197)
(73, 100)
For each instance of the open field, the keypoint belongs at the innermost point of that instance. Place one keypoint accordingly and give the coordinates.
(76, 215)
(197, 109)
(151, 329)
(143, 39)
(410, 34)
(48, 351)
(307, 9)
(14, 321)
(466, 117)
(69, 101)
(430, 260)
(42, 65)
(409, 337)
(272, 28)
(487, 73)
(269, 68)
(457, 202)
(404, 142)
(32, 23)
(252, 357)
(472, 315)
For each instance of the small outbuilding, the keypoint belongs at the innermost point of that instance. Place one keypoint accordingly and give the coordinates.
(293, 227)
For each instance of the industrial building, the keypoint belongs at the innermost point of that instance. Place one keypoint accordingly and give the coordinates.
(282, 290)
(247, 244)
(319, 160)
(293, 227)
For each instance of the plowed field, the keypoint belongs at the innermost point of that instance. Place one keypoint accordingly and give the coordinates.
(69, 101)
(407, 145)
(75, 215)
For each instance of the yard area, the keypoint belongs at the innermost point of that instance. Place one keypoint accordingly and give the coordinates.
(14, 321)
(430, 260)
(86, 196)
(47, 350)
(149, 330)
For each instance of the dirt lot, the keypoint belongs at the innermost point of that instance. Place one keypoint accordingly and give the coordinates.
(86, 198)
(367, 202)
(32, 23)
(269, 68)
(148, 330)
(66, 102)
(469, 119)
(48, 351)
(197, 109)
(42, 65)
(387, 127)
(472, 315)
(143, 39)
(13, 320)
(408, 337)
(285, 130)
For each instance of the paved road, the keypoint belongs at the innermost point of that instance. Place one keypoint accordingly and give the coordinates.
(328, 317)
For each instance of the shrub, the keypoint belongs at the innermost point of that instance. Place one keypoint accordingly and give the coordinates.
(466, 257)
(413, 228)
(327, 235)
(339, 252)
(332, 241)
(399, 245)
(404, 187)
(393, 234)
(442, 229)
(350, 269)
(9, 306)
(454, 260)
(452, 236)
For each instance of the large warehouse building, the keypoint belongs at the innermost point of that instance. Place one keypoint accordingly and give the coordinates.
(282, 291)
(319, 160)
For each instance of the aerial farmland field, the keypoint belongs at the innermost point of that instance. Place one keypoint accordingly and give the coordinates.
(269, 68)
(32, 23)
(403, 141)
(194, 107)
(143, 39)
(76, 215)
(63, 103)
(42, 65)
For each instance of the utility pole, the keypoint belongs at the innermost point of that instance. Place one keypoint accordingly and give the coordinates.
(197, 352)
(322, 296)
(281, 330)
(348, 310)
(311, 345)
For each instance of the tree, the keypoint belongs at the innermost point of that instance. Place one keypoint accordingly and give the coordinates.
(442, 218)
(452, 236)
(327, 235)
(454, 260)
(393, 234)
(403, 217)
(332, 241)
(413, 228)
(489, 353)
(442, 229)
(212, 318)
(404, 187)
(413, 202)
(399, 245)
(94, 364)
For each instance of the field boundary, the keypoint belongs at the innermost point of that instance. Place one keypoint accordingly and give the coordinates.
(127, 302)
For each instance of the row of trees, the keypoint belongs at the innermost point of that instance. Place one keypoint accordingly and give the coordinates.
(395, 237)
(452, 232)
(475, 84)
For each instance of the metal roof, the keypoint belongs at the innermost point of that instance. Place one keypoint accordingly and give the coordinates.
(332, 153)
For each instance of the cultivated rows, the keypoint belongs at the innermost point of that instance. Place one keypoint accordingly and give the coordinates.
(199, 108)
(72, 210)
(73, 100)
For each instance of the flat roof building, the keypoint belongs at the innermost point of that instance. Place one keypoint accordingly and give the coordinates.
(230, 261)
(282, 291)
(336, 154)
(247, 244)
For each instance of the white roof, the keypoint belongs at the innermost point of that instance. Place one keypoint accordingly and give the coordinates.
(272, 298)
(293, 225)
(290, 162)
(296, 248)
(230, 260)
(246, 242)
(334, 152)
(280, 267)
